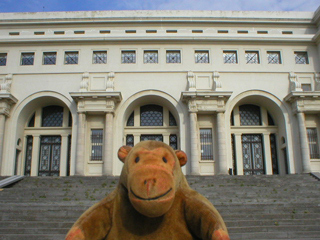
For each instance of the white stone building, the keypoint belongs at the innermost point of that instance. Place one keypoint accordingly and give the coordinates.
(239, 92)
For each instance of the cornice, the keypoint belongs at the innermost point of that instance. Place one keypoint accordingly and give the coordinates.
(293, 96)
(96, 95)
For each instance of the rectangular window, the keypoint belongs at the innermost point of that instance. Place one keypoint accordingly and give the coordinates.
(274, 57)
(128, 56)
(230, 57)
(27, 58)
(49, 58)
(130, 140)
(173, 141)
(252, 57)
(313, 143)
(71, 57)
(306, 87)
(301, 57)
(201, 56)
(150, 56)
(3, 59)
(206, 144)
(96, 144)
(173, 56)
(99, 57)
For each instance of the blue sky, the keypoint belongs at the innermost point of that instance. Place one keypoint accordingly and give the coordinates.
(92, 5)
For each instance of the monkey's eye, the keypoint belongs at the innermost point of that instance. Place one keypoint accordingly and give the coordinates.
(137, 159)
(164, 160)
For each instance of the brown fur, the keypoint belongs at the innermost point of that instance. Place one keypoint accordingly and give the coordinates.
(152, 201)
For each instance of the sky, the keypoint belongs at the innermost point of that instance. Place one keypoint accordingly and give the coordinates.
(95, 5)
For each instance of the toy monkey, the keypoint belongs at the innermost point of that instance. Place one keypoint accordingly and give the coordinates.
(152, 201)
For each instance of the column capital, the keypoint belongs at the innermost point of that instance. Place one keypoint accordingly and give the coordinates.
(6, 101)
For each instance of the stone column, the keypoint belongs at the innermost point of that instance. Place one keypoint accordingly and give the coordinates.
(64, 155)
(35, 155)
(195, 154)
(81, 144)
(2, 128)
(304, 143)
(108, 145)
(221, 135)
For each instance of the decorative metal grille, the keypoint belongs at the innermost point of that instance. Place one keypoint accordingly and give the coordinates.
(31, 122)
(52, 116)
(173, 57)
(230, 57)
(99, 57)
(234, 157)
(3, 59)
(206, 144)
(96, 144)
(173, 141)
(156, 137)
(27, 167)
(50, 151)
(313, 143)
(274, 156)
(130, 121)
(252, 57)
(172, 120)
(49, 58)
(27, 58)
(274, 58)
(253, 163)
(128, 56)
(250, 115)
(151, 115)
(270, 120)
(150, 56)
(201, 56)
(130, 140)
(232, 119)
(301, 57)
(70, 120)
(71, 57)
(69, 155)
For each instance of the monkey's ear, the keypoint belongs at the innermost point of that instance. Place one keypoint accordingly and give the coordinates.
(123, 153)
(182, 157)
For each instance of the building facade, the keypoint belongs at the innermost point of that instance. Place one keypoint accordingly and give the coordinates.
(239, 92)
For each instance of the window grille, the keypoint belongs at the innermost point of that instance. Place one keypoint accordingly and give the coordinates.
(130, 140)
(150, 56)
(70, 120)
(252, 154)
(71, 57)
(313, 143)
(156, 137)
(52, 116)
(252, 57)
(99, 57)
(206, 144)
(274, 58)
(250, 115)
(32, 119)
(301, 57)
(201, 56)
(151, 115)
(173, 141)
(50, 151)
(274, 158)
(172, 120)
(230, 57)
(173, 57)
(270, 120)
(49, 58)
(128, 56)
(130, 121)
(234, 156)
(3, 59)
(27, 58)
(96, 144)
(27, 168)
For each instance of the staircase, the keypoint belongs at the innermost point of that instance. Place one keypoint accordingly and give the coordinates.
(253, 207)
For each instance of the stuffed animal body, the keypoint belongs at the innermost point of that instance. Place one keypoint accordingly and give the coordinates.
(152, 201)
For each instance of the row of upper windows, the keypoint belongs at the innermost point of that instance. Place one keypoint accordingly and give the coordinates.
(151, 56)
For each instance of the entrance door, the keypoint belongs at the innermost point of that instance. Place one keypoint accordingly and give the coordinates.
(252, 150)
(50, 151)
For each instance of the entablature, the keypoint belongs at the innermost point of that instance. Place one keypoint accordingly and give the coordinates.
(304, 101)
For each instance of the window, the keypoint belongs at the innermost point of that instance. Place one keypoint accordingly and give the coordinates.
(250, 115)
(301, 57)
(71, 57)
(173, 56)
(274, 57)
(49, 58)
(150, 56)
(151, 115)
(201, 56)
(128, 57)
(3, 59)
(173, 141)
(252, 57)
(306, 87)
(99, 57)
(96, 144)
(52, 116)
(155, 137)
(130, 140)
(206, 144)
(313, 143)
(27, 58)
(230, 57)
(130, 121)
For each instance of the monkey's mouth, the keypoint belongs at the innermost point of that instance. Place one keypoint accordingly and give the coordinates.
(150, 199)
